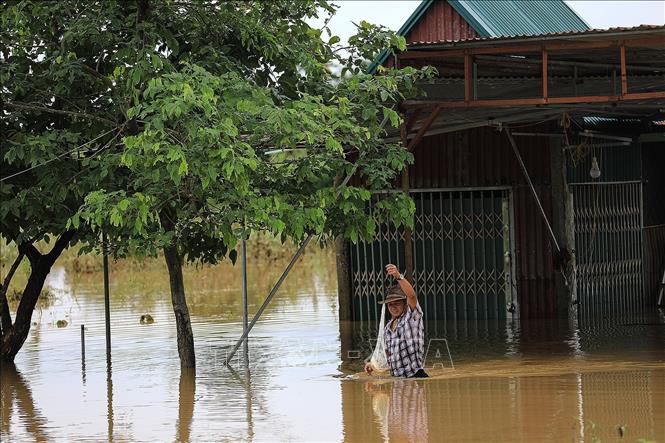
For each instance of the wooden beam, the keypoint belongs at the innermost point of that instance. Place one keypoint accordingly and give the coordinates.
(468, 77)
(564, 63)
(598, 44)
(425, 126)
(655, 40)
(531, 101)
(418, 54)
(585, 99)
(506, 47)
(624, 77)
(644, 95)
(545, 80)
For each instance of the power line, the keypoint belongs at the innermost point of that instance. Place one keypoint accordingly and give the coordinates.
(57, 157)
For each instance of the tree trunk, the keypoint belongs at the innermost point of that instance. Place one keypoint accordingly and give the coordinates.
(13, 339)
(183, 324)
(5, 316)
(14, 336)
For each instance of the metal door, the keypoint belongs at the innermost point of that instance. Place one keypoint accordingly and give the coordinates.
(608, 247)
(461, 256)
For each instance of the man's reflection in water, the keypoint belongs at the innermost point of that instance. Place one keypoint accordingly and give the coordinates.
(187, 393)
(14, 390)
(400, 409)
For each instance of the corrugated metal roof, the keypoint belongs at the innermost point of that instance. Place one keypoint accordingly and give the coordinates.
(546, 35)
(492, 18)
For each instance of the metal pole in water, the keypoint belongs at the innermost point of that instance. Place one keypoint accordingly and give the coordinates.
(266, 302)
(83, 354)
(243, 257)
(83, 344)
(107, 310)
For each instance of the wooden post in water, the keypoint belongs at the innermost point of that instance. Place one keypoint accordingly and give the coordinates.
(107, 309)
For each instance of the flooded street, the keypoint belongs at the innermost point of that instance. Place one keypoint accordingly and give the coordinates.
(541, 381)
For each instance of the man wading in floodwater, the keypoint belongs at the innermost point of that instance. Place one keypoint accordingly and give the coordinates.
(404, 335)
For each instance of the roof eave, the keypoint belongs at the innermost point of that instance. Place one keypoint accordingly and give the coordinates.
(586, 35)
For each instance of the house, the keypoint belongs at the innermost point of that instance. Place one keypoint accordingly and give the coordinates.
(537, 179)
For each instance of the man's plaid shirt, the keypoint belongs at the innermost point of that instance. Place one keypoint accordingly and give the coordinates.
(405, 346)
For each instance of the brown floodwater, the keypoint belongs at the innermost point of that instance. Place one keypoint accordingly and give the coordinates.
(538, 381)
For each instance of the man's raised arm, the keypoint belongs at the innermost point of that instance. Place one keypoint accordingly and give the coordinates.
(404, 284)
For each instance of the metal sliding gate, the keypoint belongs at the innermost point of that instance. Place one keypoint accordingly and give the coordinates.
(608, 247)
(461, 256)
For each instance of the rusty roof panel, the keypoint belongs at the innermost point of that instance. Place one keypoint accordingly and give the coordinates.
(441, 22)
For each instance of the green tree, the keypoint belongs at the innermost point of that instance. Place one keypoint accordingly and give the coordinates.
(228, 118)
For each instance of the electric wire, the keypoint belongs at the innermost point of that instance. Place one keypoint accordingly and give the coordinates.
(57, 157)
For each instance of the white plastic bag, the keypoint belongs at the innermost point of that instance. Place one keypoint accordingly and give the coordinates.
(379, 360)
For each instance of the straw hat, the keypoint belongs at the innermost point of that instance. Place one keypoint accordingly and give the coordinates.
(393, 293)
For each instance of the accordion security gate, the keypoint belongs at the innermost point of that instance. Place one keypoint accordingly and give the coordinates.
(461, 256)
(608, 247)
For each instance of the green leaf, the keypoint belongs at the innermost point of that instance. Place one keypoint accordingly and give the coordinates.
(334, 145)
(233, 255)
(123, 204)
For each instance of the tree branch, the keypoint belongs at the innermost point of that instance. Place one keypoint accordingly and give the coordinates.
(60, 245)
(5, 316)
(93, 72)
(83, 115)
(29, 250)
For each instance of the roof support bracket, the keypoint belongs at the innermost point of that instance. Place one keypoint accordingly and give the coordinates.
(425, 126)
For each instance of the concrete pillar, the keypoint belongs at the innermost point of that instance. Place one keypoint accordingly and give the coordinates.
(562, 218)
(343, 263)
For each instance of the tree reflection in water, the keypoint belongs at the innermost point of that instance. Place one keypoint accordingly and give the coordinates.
(186, 396)
(14, 390)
